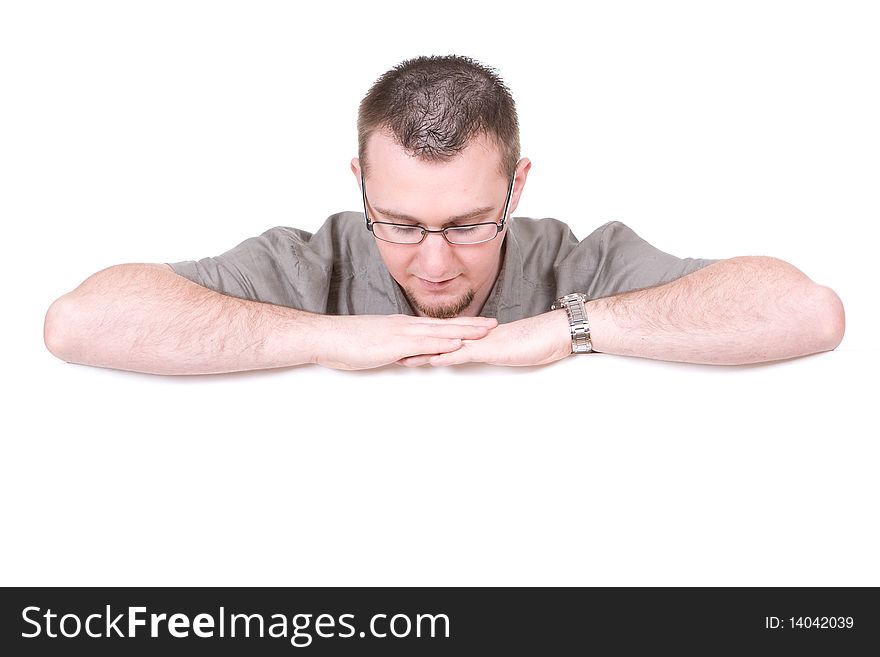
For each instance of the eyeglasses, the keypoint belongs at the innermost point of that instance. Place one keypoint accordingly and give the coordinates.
(413, 234)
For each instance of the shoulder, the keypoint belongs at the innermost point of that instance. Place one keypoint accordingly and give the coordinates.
(554, 239)
(612, 231)
(338, 235)
(339, 225)
(530, 228)
(546, 233)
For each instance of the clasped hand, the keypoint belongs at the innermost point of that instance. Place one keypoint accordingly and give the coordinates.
(366, 341)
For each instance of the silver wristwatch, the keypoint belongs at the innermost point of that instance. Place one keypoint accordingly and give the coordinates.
(577, 319)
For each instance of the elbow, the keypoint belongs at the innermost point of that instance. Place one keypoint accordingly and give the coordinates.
(820, 318)
(57, 329)
(831, 318)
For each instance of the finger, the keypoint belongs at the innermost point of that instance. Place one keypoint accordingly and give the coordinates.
(491, 322)
(457, 357)
(415, 361)
(423, 346)
(460, 331)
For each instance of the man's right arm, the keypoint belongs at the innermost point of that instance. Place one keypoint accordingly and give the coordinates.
(147, 318)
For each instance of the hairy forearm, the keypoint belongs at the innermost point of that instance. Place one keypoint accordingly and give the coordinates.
(146, 318)
(742, 310)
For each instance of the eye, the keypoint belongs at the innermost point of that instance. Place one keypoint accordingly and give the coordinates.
(405, 230)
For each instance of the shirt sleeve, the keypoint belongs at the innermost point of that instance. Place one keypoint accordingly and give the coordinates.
(263, 268)
(625, 262)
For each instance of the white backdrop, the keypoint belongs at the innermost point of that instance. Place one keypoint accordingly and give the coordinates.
(164, 131)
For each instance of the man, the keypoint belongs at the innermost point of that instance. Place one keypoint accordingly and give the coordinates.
(437, 270)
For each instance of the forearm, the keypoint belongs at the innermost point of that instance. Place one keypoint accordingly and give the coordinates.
(741, 310)
(146, 318)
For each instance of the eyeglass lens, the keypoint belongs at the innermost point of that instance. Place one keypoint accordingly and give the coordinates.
(455, 234)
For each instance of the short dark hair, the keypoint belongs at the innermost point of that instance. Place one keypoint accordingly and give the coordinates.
(433, 106)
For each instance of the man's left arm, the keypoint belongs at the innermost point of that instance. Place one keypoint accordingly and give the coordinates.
(748, 309)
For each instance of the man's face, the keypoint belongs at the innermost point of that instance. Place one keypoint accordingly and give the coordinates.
(440, 279)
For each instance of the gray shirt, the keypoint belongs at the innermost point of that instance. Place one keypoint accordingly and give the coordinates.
(338, 270)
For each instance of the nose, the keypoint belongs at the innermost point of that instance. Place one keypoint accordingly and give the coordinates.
(436, 256)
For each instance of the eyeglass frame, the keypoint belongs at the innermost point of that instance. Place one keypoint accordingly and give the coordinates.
(498, 226)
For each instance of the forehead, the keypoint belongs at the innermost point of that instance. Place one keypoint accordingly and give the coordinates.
(475, 169)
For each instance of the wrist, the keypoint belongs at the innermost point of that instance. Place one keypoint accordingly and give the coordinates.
(316, 338)
(574, 305)
(596, 311)
(561, 331)
(300, 338)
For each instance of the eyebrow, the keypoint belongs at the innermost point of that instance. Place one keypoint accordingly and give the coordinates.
(400, 216)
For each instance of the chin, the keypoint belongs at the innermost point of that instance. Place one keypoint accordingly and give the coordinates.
(444, 305)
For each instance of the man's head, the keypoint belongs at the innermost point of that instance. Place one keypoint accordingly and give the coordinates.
(438, 138)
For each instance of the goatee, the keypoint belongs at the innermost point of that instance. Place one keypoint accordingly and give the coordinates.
(446, 311)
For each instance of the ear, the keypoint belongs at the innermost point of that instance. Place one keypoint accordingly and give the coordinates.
(356, 170)
(522, 172)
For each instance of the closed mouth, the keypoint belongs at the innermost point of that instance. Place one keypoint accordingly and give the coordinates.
(436, 284)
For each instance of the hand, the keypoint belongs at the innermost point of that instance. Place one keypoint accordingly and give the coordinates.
(356, 342)
(533, 341)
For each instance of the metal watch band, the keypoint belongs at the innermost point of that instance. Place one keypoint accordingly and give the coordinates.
(578, 322)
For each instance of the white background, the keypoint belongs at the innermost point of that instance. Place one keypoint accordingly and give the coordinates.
(164, 131)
